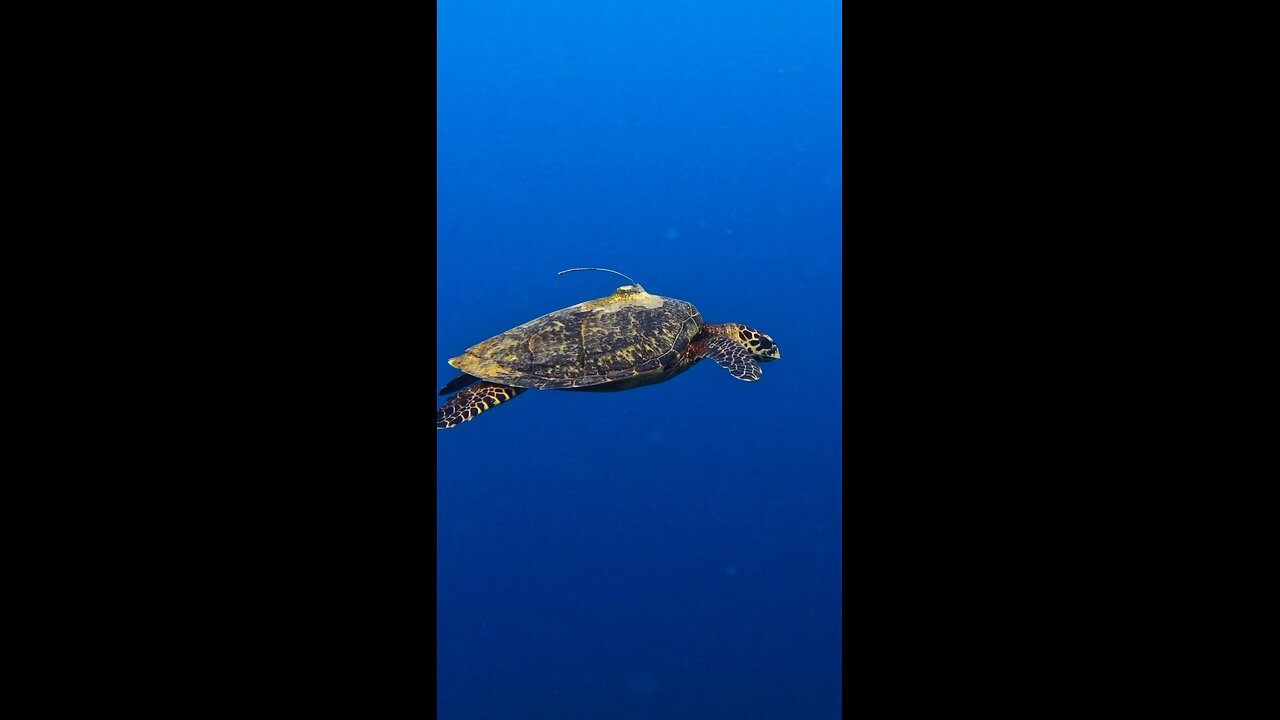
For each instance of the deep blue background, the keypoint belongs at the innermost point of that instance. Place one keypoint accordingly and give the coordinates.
(671, 551)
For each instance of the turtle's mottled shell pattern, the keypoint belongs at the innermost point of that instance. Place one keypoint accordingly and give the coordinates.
(630, 337)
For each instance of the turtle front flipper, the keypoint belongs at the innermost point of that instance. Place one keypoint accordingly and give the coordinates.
(473, 400)
(458, 383)
(730, 355)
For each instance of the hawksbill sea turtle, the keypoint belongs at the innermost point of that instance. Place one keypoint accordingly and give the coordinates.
(619, 342)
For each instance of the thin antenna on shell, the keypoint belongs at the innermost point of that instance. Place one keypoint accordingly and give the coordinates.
(615, 272)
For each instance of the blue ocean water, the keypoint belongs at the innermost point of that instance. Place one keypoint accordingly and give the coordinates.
(672, 551)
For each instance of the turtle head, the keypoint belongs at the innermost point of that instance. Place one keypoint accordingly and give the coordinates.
(761, 346)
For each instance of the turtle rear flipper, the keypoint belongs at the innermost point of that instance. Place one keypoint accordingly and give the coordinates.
(458, 383)
(730, 355)
(471, 401)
